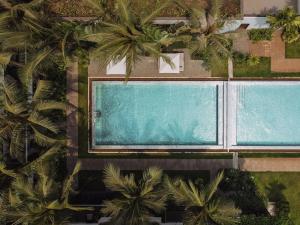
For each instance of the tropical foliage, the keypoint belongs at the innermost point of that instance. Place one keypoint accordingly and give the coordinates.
(202, 205)
(35, 197)
(123, 33)
(260, 34)
(138, 200)
(289, 21)
(33, 37)
(204, 27)
(22, 118)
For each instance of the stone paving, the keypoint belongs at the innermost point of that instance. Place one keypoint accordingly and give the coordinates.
(274, 49)
(278, 61)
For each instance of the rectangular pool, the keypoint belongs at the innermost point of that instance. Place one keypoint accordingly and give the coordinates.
(157, 113)
(267, 114)
(195, 115)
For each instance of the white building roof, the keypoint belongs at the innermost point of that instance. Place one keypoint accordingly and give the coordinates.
(116, 68)
(166, 68)
(252, 22)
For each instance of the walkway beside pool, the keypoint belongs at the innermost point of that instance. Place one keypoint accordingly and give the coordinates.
(148, 67)
(213, 165)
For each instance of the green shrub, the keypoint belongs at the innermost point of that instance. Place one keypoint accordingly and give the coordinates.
(253, 60)
(260, 34)
(241, 188)
(250, 60)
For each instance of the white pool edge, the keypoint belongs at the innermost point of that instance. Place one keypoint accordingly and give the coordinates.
(227, 110)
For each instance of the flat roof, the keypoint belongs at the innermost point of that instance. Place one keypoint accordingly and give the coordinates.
(264, 7)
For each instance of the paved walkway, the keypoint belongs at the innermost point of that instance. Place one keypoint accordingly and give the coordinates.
(270, 164)
(213, 165)
(166, 164)
(274, 49)
(279, 63)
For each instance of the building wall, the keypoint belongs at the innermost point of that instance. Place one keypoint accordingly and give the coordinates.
(264, 7)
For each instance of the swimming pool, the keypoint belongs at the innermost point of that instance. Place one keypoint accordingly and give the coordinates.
(157, 114)
(195, 115)
(267, 114)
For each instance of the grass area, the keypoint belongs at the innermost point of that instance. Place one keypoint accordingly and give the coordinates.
(262, 69)
(284, 185)
(92, 180)
(83, 108)
(292, 50)
(220, 69)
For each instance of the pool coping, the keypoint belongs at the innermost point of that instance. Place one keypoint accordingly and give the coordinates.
(225, 147)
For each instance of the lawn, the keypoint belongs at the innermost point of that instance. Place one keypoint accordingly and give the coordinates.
(285, 184)
(262, 69)
(220, 69)
(292, 50)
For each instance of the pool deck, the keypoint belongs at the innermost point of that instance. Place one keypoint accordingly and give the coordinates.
(147, 67)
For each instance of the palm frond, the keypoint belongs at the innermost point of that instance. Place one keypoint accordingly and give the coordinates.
(50, 105)
(30, 67)
(7, 172)
(44, 140)
(67, 187)
(36, 118)
(12, 91)
(43, 90)
(96, 6)
(213, 186)
(156, 12)
(124, 11)
(114, 181)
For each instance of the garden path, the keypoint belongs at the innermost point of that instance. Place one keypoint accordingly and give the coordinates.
(274, 49)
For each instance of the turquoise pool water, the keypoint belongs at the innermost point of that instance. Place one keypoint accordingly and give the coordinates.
(155, 113)
(268, 115)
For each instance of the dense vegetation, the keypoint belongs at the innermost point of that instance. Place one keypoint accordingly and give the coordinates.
(260, 34)
(36, 49)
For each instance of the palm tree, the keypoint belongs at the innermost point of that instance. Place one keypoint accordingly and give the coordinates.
(121, 33)
(137, 200)
(204, 27)
(202, 207)
(289, 21)
(36, 198)
(27, 31)
(20, 119)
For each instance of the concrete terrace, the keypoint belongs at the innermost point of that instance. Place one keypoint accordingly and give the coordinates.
(148, 67)
(265, 7)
